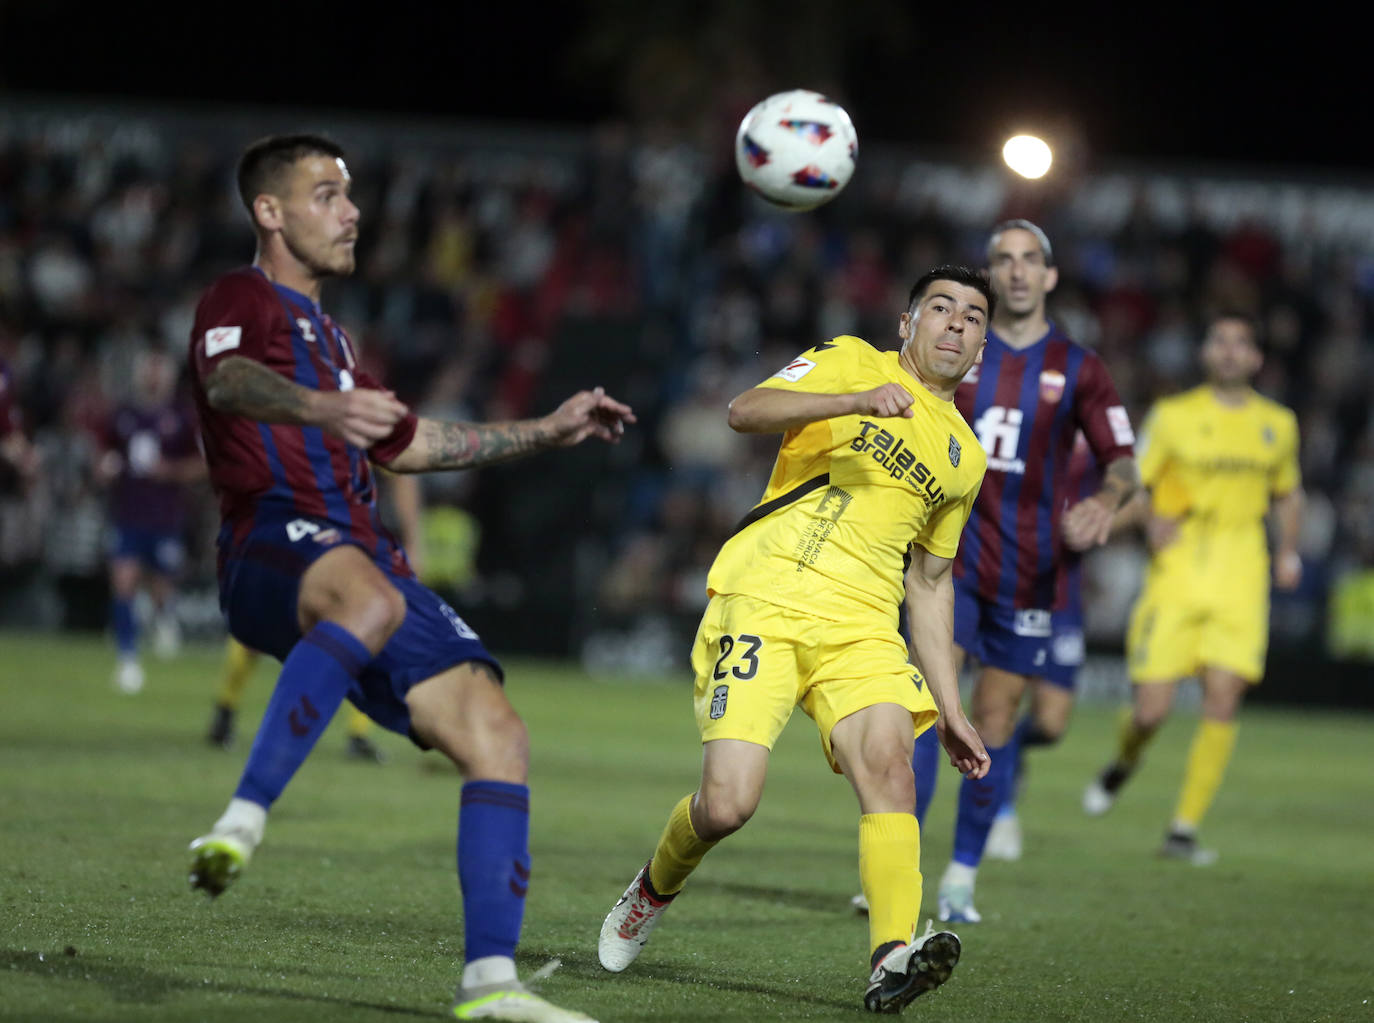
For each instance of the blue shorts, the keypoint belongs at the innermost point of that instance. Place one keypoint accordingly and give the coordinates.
(1066, 650)
(158, 549)
(1013, 639)
(259, 585)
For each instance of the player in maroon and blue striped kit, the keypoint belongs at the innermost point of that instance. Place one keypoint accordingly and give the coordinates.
(309, 574)
(1052, 691)
(1034, 390)
(150, 456)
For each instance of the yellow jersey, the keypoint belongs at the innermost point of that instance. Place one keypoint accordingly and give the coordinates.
(849, 495)
(1218, 466)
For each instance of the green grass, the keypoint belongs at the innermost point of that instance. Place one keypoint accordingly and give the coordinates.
(351, 910)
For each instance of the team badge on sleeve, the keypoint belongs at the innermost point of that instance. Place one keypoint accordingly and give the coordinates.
(1120, 423)
(796, 369)
(221, 339)
(954, 451)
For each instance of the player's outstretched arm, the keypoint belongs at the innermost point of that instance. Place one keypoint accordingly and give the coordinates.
(773, 410)
(930, 614)
(1089, 522)
(439, 445)
(244, 387)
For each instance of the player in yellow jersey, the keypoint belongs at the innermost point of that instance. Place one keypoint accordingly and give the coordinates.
(1217, 459)
(871, 487)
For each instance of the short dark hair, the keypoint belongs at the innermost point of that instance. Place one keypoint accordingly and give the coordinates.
(959, 275)
(263, 163)
(1240, 316)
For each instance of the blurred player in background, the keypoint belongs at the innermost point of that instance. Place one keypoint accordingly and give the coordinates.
(1033, 392)
(309, 574)
(18, 457)
(1216, 459)
(871, 489)
(1052, 691)
(150, 457)
(239, 661)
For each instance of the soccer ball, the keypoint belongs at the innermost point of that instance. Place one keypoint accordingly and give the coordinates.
(796, 149)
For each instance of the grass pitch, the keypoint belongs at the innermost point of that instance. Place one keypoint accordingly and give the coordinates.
(350, 912)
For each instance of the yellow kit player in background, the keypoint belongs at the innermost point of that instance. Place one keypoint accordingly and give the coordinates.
(877, 470)
(239, 661)
(1216, 460)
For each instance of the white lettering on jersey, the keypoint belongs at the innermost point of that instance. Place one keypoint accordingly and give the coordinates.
(221, 339)
(345, 380)
(299, 529)
(307, 331)
(1120, 423)
(999, 431)
(796, 369)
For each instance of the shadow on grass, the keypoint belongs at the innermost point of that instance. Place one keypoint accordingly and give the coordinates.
(684, 975)
(133, 984)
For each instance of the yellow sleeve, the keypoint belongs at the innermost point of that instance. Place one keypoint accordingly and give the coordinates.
(1287, 476)
(1152, 447)
(940, 535)
(831, 367)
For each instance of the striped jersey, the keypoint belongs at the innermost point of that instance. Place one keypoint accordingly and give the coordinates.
(1026, 405)
(275, 470)
(143, 437)
(848, 496)
(1083, 479)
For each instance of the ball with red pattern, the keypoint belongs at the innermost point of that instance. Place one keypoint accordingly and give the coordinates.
(796, 149)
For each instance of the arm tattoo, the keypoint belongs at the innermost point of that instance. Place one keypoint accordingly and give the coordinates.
(1119, 482)
(468, 445)
(243, 387)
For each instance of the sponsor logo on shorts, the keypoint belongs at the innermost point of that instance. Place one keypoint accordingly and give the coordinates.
(1031, 622)
(327, 536)
(718, 698)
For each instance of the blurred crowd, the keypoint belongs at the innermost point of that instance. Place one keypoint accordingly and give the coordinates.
(494, 274)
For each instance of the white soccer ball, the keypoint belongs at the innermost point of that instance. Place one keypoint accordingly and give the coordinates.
(796, 149)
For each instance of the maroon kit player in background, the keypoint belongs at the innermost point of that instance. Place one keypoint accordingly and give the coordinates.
(1034, 390)
(150, 456)
(309, 574)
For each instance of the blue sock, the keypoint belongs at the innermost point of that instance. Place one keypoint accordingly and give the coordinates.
(493, 866)
(925, 764)
(1023, 727)
(125, 626)
(313, 682)
(979, 802)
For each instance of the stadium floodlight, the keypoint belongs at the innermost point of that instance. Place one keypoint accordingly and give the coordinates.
(1027, 155)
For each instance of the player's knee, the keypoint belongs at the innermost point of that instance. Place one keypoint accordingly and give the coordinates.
(885, 780)
(721, 810)
(374, 611)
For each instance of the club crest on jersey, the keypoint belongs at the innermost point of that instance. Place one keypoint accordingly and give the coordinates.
(1051, 385)
(718, 698)
(1267, 434)
(954, 451)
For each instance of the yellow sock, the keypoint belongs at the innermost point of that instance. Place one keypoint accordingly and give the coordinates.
(359, 724)
(679, 850)
(890, 874)
(238, 669)
(1131, 740)
(1213, 744)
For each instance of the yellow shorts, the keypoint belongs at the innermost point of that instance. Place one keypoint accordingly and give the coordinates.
(755, 661)
(1181, 624)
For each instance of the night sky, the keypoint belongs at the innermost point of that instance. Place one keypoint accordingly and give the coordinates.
(1277, 94)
